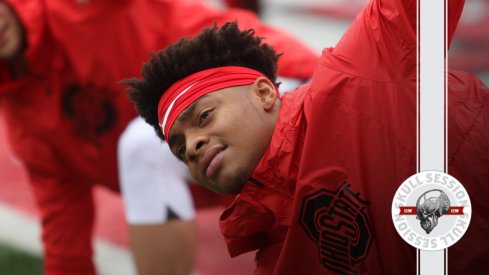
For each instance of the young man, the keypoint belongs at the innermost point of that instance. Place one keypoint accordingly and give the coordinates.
(60, 62)
(316, 170)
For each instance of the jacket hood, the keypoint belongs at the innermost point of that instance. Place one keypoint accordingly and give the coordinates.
(32, 17)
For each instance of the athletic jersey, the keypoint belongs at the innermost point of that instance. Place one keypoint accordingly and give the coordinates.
(319, 201)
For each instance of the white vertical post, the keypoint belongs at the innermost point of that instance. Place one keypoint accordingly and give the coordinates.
(431, 109)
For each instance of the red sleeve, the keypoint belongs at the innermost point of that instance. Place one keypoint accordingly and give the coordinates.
(455, 8)
(190, 17)
(406, 11)
(381, 42)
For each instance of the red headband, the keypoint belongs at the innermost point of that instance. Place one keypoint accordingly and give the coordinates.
(184, 92)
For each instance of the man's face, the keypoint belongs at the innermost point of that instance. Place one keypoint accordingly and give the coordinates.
(222, 136)
(11, 35)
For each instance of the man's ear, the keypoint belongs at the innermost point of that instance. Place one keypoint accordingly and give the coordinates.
(265, 91)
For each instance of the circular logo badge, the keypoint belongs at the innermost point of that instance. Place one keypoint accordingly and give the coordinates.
(431, 210)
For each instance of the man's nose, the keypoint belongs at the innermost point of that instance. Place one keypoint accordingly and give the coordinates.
(195, 147)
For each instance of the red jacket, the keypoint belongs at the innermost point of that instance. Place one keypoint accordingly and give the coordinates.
(67, 114)
(32, 103)
(319, 202)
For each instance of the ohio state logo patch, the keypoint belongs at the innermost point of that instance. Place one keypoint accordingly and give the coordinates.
(90, 108)
(337, 222)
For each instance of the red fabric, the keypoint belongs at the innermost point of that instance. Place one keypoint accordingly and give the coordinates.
(342, 146)
(152, 25)
(62, 213)
(253, 5)
(184, 92)
(65, 116)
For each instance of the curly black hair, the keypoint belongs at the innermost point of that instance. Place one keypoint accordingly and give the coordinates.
(213, 47)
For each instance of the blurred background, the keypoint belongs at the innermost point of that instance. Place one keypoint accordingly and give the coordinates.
(319, 24)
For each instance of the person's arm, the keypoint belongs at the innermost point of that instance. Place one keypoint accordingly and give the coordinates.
(381, 42)
(405, 13)
(298, 60)
(158, 204)
(455, 8)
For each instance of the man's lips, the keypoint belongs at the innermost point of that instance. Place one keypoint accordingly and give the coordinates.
(210, 161)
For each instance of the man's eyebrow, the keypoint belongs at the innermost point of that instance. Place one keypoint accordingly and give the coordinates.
(190, 109)
(182, 117)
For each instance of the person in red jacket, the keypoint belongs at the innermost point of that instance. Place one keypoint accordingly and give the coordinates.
(315, 170)
(65, 113)
(63, 131)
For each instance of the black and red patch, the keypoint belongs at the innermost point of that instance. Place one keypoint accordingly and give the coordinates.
(337, 222)
(90, 108)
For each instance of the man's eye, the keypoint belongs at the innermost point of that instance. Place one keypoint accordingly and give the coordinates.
(181, 152)
(203, 116)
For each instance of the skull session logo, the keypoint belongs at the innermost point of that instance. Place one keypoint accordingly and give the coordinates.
(428, 210)
(338, 223)
(431, 210)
